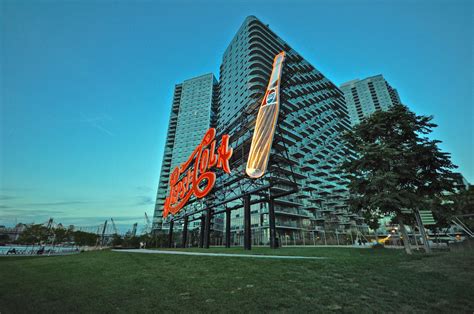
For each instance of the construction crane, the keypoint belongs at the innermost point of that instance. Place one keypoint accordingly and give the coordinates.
(148, 224)
(103, 233)
(114, 226)
(50, 223)
(98, 235)
(134, 229)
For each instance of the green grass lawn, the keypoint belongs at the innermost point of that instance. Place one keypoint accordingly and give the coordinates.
(350, 280)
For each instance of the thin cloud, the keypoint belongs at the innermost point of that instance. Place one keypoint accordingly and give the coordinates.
(60, 203)
(29, 212)
(143, 188)
(13, 216)
(97, 122)
(145, 200)
(7, 197)
(14, 189)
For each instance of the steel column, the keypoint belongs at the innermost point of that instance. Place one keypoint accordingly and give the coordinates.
(185, 231)
(201, 231)
(227, 227)
(207, 230)
(247, 224)
(170, 235)
(271, 220)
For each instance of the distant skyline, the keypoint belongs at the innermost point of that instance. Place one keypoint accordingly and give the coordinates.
(86, 86)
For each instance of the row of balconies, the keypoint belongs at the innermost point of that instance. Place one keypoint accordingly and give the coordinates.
(302, 77)
(294, 87)
(307, 98)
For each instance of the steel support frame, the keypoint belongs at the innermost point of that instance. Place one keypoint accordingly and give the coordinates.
(228, 213)
(201, 231)
(185, 231)
(204, 239)
(170, 234)
(207, 228)
(247, 223)
(272, 223)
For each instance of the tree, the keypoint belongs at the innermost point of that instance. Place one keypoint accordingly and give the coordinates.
(61, 235)
(4, 238)
(34, 234)
(85, 238)
(117, 240)
(372, 219)
(395, 169)
(461, 204)
(131, 242)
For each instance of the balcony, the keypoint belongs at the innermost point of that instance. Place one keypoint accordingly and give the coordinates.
(286, 202)
(291, 212)
(287, 225)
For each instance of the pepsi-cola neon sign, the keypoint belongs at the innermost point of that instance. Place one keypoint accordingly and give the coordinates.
(195, 176)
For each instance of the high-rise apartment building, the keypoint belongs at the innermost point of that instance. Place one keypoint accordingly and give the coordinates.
(192, 113)
(306, 150)
(364, 97)
(460, 183)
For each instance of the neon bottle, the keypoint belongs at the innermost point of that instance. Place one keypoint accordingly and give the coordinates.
(266, 122)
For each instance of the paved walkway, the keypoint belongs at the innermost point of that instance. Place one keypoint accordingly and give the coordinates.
(216, 254)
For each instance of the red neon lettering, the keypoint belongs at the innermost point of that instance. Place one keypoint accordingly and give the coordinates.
(212, 157)
(224, 154)
(197, 179)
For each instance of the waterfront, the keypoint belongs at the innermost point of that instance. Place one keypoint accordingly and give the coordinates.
(38, 250)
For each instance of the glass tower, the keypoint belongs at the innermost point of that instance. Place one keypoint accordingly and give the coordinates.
(192, 113)
(305, 154)
(306, 149)
(364, 97)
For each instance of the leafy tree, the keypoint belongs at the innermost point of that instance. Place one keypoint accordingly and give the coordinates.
(35, 233)
(160, 239)
(462, 204)
(464, 201)
(61, 235)
(85, 238)
(131, 242)
(117, 240)
(4, 238)
(372, 218)
(395, 168)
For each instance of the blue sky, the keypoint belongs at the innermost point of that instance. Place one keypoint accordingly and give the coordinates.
(86, 86)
